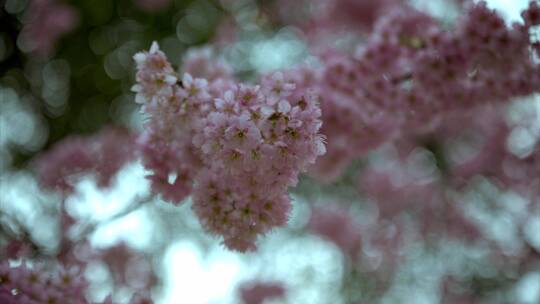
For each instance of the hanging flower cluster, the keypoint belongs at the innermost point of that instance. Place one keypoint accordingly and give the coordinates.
(235, 147)
(33, 285)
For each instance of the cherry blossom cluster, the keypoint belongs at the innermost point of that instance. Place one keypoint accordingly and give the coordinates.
(417, 69)
(32, 285)
(411, 73)
(420, 102)
(165, 144)
(352, 126)
(62, 281)
(235, 147)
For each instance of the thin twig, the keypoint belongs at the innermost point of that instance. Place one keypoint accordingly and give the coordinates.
(135, 205)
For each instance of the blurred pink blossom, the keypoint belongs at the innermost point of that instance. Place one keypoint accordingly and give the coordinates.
(256, 292)
(45, 22)
(339, 227)
(102, 154)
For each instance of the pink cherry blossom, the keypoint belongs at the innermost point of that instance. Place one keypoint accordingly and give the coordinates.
(103, 155)
(237, 149)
